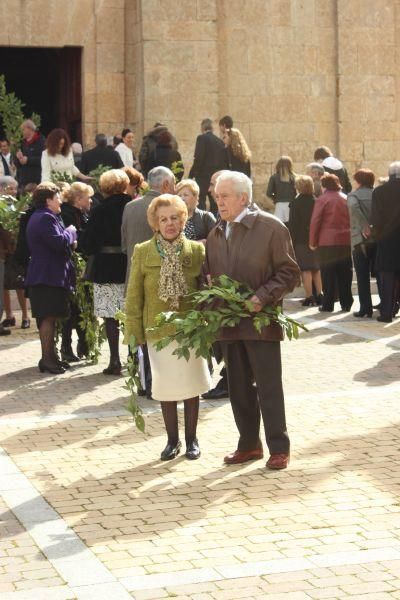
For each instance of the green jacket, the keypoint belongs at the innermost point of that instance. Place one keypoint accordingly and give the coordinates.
(142, 302)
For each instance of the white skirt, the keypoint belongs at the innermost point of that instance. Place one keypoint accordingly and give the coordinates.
(282, 211)
(174, 378)
(108, 298)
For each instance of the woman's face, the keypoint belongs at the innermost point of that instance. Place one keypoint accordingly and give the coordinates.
(225, 138)
(54, 204)
(169, 222)
(129, 140)
(191, 200)
(61, 144)
(84, 202)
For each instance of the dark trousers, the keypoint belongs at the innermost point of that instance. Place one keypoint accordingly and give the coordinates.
(257, 362)
(388, 289)
(204, 185)
(337, 275)
(364, 259)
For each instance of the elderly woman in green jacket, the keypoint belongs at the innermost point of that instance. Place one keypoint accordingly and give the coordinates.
(165, 269)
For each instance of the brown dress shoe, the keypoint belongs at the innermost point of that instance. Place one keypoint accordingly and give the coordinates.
(278, 461)
(239, 457)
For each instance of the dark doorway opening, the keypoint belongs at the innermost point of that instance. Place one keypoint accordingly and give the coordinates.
(48, 81)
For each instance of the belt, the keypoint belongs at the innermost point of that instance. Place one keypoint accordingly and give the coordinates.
(111, 250)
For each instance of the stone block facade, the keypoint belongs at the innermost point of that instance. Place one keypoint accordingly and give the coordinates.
(293, 73)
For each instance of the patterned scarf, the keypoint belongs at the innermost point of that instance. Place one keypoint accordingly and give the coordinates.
(172, 284)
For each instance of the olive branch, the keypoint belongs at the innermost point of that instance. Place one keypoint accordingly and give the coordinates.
(223, 304)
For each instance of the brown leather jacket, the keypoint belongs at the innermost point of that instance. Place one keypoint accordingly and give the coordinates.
(260, 255)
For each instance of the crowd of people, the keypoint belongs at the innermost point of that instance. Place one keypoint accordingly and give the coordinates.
(148, 237)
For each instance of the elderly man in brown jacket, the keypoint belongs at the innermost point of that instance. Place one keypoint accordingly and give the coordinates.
(255, 248)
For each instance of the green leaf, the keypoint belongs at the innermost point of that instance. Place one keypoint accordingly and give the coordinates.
(139, 422)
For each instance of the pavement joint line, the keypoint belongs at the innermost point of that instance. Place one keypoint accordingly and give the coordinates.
(393, 341)
(65, 551)
(381, 391)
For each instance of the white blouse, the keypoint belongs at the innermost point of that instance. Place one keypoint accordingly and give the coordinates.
(59, 163)
(125, 153)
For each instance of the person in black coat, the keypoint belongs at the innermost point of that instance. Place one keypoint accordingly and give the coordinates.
(149, 143)
(300, 212)
(28, 158)
(164, 154)
(102, 243)
(237, 150)
(209, 157)
(385, 221)
(324, 156)
(101, 154)
(75, 211)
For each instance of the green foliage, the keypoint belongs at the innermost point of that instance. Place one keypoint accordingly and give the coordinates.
(132, 382)
(61, 177)
(223, 304)
(11, 210)
(177, 168)
(94, 331)
(12, 115)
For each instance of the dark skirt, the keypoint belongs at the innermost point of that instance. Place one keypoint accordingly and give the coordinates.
(307, 259)
(49, 301)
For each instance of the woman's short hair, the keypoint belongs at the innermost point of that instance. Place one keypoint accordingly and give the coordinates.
(114, 181)
(189, 183)
(166, 200)
(365, 177)
(331, 182)
(322, 152)
(76, 190)
(53, 142)
(304, 184)
(44, 191)
(136, 179)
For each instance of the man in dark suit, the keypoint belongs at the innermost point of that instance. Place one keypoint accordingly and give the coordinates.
(254, 248)
(101, 154)
(385, 220)
(209, 156)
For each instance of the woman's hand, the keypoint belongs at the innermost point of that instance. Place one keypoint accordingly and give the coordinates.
(313, 247)
(366, 232)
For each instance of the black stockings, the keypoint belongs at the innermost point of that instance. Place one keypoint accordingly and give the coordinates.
(112, 332)
(47, 330)
(170, 415)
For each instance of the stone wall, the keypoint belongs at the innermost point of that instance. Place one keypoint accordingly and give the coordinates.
(292, 73)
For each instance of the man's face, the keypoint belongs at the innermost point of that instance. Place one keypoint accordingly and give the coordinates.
(4, 147)
(230, 203)
(27, 132)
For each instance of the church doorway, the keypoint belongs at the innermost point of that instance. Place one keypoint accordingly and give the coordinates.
(48, 81)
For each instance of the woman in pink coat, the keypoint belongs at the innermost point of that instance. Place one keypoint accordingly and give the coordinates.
(330, 235)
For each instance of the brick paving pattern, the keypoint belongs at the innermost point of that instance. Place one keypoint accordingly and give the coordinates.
(328, 527)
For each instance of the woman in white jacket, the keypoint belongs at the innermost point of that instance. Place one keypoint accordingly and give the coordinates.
(58, 157)
(125, 149)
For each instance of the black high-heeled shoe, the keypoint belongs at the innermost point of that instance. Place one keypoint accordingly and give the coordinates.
(309, 301)
(193, 450)
(114, 368)
(363, 313)
(171, 451)
(54, 370)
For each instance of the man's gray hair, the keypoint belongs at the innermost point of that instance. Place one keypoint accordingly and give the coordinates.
(30, 124)
(314, 166)
(157, 176)
(241, 183)
(206, 125)
(394, 169)
(5, 181)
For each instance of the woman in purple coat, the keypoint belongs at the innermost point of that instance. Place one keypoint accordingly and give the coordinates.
(50, 276)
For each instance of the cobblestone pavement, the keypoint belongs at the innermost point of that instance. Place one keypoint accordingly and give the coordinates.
(88, 511)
